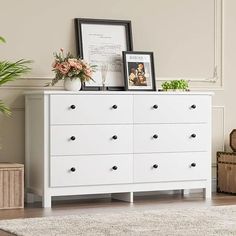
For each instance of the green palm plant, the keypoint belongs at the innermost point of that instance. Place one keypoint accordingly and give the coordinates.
(10, 71)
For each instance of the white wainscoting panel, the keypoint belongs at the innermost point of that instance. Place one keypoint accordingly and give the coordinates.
(218, 132)
(12, 136)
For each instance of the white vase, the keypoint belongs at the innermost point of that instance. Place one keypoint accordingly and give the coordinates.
(72, 84)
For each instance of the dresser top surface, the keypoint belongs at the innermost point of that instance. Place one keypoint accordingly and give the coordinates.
(63, 92)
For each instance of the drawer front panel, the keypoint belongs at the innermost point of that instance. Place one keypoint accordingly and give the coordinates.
(171, 167)
(91, 139)
(91, 170)
(171, 109)
(91, 109)
(171, 138)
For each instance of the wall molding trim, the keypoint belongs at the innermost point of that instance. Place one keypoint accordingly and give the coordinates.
(32, 83)
(213, 83)
(217, 68)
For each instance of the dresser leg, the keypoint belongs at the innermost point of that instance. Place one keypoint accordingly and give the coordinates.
(185, 192)
(46, 201)
(207, 193)
(126, 197)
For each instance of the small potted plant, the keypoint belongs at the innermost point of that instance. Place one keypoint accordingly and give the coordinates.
(10, 71)
(72, 70)
(175, 85)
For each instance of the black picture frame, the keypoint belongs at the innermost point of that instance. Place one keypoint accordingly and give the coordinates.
(139, 71)
(81, 48)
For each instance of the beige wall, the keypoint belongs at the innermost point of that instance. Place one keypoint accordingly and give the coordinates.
(181, 33)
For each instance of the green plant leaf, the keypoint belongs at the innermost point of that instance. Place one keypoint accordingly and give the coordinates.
(4, 109)
(2, 39)
(175, 84)
(10, 71)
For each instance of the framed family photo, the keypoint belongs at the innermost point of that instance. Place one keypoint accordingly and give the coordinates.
(101, 42)
(139, 71)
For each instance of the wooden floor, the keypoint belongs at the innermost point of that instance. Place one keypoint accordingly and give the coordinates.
(107, 205)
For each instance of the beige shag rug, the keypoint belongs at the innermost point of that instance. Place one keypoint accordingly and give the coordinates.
(204, 221)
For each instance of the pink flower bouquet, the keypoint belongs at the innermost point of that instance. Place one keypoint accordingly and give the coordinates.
(68, 66)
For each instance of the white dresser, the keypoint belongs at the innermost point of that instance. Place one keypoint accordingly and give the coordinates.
(117, 142)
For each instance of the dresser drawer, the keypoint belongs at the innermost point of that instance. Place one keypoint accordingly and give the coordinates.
(91, 139)
(171, 138)
(91, 109)
(91, 170)
(170, 167)
(171, 109)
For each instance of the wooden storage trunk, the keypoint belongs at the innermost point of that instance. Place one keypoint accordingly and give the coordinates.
(226, 172)
(11, 185)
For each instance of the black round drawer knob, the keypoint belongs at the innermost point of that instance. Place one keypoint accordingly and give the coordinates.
(114, 106)
(193, 164)
(72, 169)
(73, 107)
(114, 167)
(72, 138)
(155, 106)
(155, 166)
(193, 106)
(155, 136)
(193, 135)
(114, 137)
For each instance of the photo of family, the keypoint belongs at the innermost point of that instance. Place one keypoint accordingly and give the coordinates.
(137, 75)
(139, 71)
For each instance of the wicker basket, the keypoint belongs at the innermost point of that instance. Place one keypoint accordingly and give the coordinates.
(232, 140)
(226, 172)
(11, 185)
